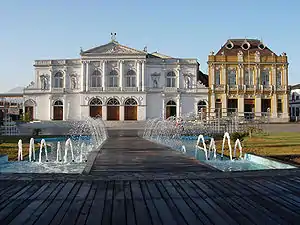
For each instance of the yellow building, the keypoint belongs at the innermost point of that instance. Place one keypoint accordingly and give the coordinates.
(248, 78)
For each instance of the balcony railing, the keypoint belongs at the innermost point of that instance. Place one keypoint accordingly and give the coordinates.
(35, 90)
(58, 90)
(95, 89)
(112, 89)
(170, 89)
(130, 89)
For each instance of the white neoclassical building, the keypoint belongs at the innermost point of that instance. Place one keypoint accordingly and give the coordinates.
(115, 82)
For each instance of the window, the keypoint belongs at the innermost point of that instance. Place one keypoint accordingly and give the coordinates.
(248, 76)
(58, 80)
(95, 102)
(113, 80)
(217, 77)
(279, 106)
(113, 101)
(171, 79)
(232, 77)
(130, 79)
(130, 101)
(96, 79)
(278, 78)
(265, 77)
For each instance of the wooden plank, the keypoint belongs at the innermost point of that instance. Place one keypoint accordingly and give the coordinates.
(73, 211)
(17, 204)
(82, 218)
(96, 210)
(108, 205)
(39, 216)
(34, 204)
(155, 219)
(173, 209)
(189, 216)
(129, 207)
(118, 211)
(161, 206)
(142, 214)
(258, 214)
(210, 196)
(266, 201)
(61, 209)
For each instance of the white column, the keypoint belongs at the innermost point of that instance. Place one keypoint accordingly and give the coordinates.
(87, 77)
(103, 77)
(138, 74)
(82, 76)
(65, 78)
(212, 76)
(163, 107)
(274, 105)
(64, 108)
(274, 78)
(121, 74)
(241, 105)
(121, 112)
(50, 80)
(143, 75)
(178, 107)
(178, 78)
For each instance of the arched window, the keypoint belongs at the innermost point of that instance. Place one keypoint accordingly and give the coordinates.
(58, 80)
(131, 78)
(231, 77)
(113, 101)
(130, 101)
(249, 75)
(96, 79)
(113, 79)
(58, 103)
(171, 109)
(278, 78)
(217, 77)
(265, 77)
(171, 79)
(95, 102)
(171, 103)
(201, 106)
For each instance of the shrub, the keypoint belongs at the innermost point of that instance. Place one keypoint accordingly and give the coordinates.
(36, 132)
(239, 135)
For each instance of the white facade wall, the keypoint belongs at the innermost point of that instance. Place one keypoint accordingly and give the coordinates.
(150, 92)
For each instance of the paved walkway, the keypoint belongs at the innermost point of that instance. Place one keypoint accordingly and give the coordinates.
(149, 192)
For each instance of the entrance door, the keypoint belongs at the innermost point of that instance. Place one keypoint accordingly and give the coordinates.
(130, 109)
(170, 109)
(113, 113)
(95, 111)
(58, 110)
(249, 108)
(130, 112)
(29, 112)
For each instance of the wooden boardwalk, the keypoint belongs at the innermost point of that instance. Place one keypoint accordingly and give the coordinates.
(214, 198)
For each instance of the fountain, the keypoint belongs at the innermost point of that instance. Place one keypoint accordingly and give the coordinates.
(201, 140)
(81, 152)
(212, 148)
(43, 144)
(183, 149)
(31, 150)
(68, 146)
(20, 150)
(226, 136)
(237, 144)
(58, 152)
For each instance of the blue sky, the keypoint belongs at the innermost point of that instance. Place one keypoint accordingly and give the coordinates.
(33, 30)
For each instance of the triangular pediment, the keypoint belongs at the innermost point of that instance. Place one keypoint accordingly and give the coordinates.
(112, 48)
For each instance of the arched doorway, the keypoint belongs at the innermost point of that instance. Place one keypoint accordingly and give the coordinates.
(202, 109)
(58, 110)
(113, 109)
(170, 109)
(130, 109)
(29, 109)
(95, 108)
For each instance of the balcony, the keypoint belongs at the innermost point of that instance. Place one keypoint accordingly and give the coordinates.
(219, 87)
(58, 90)
(35, 91)
(95, 89)
(170, 89)
(113, 89)
(281, 88)
(130, 89)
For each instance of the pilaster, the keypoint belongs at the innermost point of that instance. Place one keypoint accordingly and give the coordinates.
(87, 83)
(224, 105)
(241, 105)
(138, 75)
(274, 106)
(121, 62)
(82, 76)
(121, 113)
(258, 106)
(143, 75)
(104, 76)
